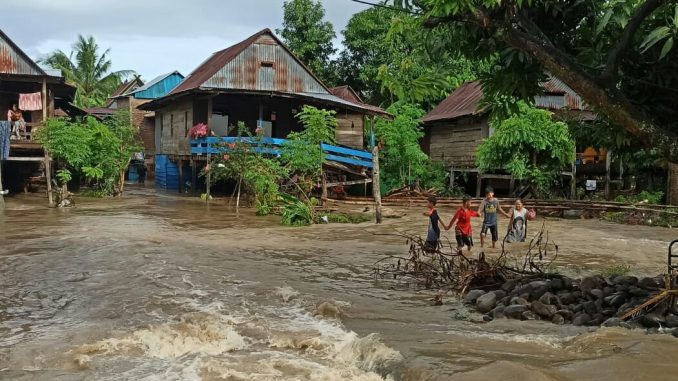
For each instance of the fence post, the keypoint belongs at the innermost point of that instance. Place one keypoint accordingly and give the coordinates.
(376, 190)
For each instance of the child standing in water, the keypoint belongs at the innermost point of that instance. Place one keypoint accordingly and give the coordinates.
(463, 231)
(433, 234)
(518, 223)
(488, 210)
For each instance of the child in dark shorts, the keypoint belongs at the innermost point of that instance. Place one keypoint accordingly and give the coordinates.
(433, 234)
(463, 231)
(488, 210)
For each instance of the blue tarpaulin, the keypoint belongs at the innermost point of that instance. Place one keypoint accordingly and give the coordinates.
(5, 131)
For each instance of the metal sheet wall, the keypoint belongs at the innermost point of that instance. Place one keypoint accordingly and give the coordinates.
(12, 62)
(279, 72)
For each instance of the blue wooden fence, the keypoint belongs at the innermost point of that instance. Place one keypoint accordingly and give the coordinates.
(271, 146)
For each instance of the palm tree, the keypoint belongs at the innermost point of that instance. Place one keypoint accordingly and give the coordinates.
(88, 71)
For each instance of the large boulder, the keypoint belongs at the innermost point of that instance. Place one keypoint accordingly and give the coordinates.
(519, 300)
(543, 310)
(581, 319)
(616, 300)
(515, 311)
(625, 280)
(472, 296)
(486, 302)
(590, 282)
(509, 285)
(652, 320)
(639, 292)
(558, 319)
(567, 314)
(649, 283)
(539, 288)
(597, 293)
(672, 321)
(549, 298)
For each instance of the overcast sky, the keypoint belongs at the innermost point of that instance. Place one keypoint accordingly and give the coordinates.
(151, 37)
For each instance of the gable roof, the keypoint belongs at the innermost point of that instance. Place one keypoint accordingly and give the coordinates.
(346, 92)
(128, 86)
(215, 73)
(13, 60)
(158, 86)
(465, 101)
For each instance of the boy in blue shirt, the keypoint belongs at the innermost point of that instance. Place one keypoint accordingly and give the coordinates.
(488, 210)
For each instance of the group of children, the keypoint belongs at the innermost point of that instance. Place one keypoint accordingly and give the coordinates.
(517, 229)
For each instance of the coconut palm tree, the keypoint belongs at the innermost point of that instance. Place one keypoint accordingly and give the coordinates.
(88, 71)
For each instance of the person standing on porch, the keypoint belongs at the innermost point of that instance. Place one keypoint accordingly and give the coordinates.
(16, 119)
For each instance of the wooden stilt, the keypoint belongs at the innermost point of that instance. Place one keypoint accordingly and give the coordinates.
(194, 176)
(608, 161)
(181, 176)
(2, 189)
(479, 184)
(512, 186)
(376, 190)
(48, 178)
(573, 181)
(452, 174)
(323, 195)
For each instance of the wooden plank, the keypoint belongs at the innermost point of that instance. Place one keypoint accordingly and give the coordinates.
(346, 151)
(34, 158)
(352, 182)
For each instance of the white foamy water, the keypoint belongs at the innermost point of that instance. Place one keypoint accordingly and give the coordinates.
(251, 342)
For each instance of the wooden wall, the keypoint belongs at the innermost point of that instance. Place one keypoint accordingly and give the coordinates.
(172, 125)
(350, 129)
(673, 184)
(454, 143)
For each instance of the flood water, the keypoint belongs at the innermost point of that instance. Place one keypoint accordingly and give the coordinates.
(159, 287)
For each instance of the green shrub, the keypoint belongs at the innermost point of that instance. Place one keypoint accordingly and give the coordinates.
(347, 218)
(296, 212)
(644, 196)
(616, 270)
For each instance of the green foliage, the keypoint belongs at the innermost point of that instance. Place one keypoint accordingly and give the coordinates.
(585, 39)
(389, 57)
(616, 270)
(529, 145)
(309, 36)
(297, 212)
(258, 175)
(88, 70)
(646, 197)
(401, 159)
(101, 151)
(302, 153)
(347, 218)
(64, 176)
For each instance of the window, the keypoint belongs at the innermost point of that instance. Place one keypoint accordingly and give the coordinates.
(172, 125)
(186, 124)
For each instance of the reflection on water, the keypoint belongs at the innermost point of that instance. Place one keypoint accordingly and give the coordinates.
(156, 287)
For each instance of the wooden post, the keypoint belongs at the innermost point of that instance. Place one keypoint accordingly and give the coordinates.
(573, 181)
(181, 176)
(2, 190)
(48, 162)
(452, 174)
(323, 196)
(194, 176)
(608, 161)
(479, 184)
(376, 190)
(209, 154)
(512, 186)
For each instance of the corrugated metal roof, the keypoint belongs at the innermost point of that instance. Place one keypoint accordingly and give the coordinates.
(245, 66)
(463, 101)
(158, 86)
(127, 87)
(14, 61)
(569, 98)
(347, 93)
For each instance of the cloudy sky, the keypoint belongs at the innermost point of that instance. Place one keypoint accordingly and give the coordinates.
(151, 37)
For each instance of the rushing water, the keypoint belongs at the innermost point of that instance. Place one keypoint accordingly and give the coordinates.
(155, 287)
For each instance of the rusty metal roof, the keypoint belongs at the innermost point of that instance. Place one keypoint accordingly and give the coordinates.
(463, 101)
(239, 67)
(13, 60)
(347, 93)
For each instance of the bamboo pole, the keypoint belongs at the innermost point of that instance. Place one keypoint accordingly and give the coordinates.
(48, 163)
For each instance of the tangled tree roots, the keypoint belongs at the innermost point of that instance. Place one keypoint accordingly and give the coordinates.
(446, 268)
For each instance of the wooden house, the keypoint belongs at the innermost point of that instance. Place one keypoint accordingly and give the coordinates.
(134, 93)
(457, 126)
(259, 82)
(42, 93)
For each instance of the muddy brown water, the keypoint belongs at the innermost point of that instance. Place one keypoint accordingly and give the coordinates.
(157, 287)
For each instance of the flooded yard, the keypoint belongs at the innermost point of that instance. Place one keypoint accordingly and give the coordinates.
(158, 287)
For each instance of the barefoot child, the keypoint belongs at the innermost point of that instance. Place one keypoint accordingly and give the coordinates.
(488, 210)
(433, 235)
(463, 231)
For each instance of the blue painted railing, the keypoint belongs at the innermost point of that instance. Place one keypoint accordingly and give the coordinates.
(271, 146)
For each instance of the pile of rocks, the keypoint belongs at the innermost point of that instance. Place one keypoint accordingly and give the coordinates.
(591, 301)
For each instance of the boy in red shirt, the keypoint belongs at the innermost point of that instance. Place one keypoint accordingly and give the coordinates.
(463, 231)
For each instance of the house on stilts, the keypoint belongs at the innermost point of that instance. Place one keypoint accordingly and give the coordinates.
(261, 83)
(38, 93)
(457, 126)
